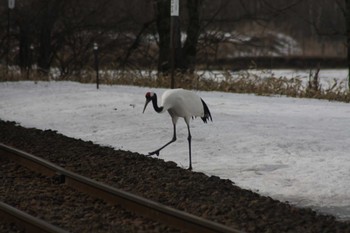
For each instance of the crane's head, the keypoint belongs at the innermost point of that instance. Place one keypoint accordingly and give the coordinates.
(149, 96)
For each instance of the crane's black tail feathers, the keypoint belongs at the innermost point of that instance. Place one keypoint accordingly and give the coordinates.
(207, 114)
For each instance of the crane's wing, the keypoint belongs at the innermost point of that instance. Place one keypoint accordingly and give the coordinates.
(185, 103)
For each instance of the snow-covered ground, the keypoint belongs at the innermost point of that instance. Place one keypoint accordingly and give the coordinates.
(294, 150)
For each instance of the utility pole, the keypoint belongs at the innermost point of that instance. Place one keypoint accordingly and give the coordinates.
(174, 14)
(96, 65)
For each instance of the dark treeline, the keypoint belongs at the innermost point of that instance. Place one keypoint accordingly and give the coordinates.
(135, 33)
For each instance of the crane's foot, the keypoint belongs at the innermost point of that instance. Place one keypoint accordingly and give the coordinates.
(190, 168)
(156, 152)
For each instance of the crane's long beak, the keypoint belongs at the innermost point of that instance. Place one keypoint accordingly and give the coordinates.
(144, 108)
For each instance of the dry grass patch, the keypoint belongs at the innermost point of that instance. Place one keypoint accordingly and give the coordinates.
(245, 82)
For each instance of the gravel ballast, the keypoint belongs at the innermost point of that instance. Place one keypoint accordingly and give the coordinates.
(209, 197)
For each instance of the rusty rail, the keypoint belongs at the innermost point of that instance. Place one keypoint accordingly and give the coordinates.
(30, 223)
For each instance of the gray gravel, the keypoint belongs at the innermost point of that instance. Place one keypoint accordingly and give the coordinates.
(209, 197)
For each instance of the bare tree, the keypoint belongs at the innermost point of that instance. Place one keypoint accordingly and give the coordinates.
(135, 33)
(337, 28)
(186, 52)
(47, 19)
(347, 19)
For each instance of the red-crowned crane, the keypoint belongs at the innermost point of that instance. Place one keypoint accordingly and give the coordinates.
(179, 103)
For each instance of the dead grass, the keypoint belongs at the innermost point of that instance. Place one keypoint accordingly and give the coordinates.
(244, 83)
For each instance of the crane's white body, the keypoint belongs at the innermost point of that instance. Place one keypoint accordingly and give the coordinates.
(179, 103)
(182, 103)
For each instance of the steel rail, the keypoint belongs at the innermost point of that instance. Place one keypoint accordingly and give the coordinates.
(30, 223)
(137, 204)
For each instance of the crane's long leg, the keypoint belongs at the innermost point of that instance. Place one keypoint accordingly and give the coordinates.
(156, 152)
(189, 147)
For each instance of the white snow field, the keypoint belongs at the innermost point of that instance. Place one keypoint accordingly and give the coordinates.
(295, 150)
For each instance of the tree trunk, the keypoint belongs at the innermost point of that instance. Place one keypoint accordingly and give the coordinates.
(24, 47)
(185, 56)
(48, 19)
(163, 26)
(45, 51)
(193, 30)
(347, 2)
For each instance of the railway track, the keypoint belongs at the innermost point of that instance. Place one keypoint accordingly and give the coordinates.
(139, 205)
(28, 222)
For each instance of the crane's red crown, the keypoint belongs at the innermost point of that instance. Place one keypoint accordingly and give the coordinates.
(149, 95)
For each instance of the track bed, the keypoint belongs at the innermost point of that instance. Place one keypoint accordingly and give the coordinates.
(196, 193)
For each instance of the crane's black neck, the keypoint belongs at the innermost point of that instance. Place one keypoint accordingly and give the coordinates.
(155, 104)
